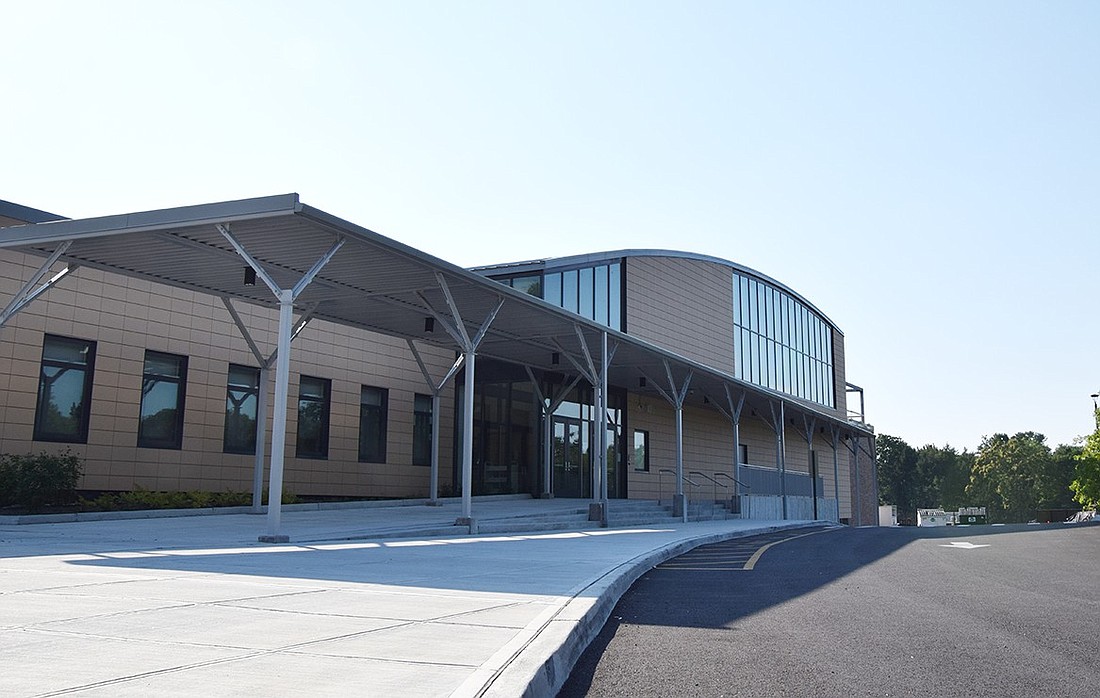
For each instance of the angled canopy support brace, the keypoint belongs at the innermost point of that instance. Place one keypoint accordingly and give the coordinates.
(436, 389)
(261, 398)
(675, 396)
(596, 375)
(809, 425)
(732, 412)
(855, 446)
(28, 293)
(778, 424)
(456, 327)
(549, 402)
(286, 298)
(834, 442)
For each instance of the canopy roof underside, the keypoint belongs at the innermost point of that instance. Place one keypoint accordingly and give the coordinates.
(372, 282)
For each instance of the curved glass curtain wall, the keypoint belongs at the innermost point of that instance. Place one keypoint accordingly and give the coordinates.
(781, 344)
(594, 292)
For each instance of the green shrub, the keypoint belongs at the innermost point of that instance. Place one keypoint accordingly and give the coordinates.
(140, 498)
(35, 481)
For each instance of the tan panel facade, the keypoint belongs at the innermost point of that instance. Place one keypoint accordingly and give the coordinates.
(127, 316)
(708, 448)
(684, 305)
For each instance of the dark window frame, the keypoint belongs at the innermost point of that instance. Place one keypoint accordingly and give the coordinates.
(380, 413)
(422, 422)
(644, 433)
(180, 381)
(41, 432)
(252, 391)
(326, 409)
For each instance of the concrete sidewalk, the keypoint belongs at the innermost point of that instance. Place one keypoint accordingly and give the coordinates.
(180, 606)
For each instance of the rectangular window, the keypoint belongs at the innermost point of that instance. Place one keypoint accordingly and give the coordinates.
(641, 450)
(163, 385)
(242, 396)
(569, 290)
(64, 390)
(422, 430)
(585, 288)
(551, 289)
(744, 453)
(736, 300)
(601, 294)
(614, 297)
(754, 316)
(531, 285)
(313, 411)
(372, 424)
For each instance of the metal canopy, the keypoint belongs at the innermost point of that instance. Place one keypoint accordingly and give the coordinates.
(374, 283)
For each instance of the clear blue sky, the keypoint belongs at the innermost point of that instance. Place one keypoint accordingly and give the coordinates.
(927, 173)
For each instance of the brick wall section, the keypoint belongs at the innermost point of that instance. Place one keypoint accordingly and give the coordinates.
(127, 316)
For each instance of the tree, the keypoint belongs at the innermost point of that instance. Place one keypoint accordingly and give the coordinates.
(1011, 474)
(1086, 483)
(946, 473)
(897, 466)
(1057, 492)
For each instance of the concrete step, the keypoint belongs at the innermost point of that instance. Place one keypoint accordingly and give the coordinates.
(521, 526)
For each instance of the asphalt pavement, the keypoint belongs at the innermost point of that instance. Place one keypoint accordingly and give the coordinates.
(974, 611)
(364, 601)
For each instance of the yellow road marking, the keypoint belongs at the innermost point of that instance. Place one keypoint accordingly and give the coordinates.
(756, 556)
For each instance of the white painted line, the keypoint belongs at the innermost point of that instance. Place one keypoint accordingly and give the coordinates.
(965, 545)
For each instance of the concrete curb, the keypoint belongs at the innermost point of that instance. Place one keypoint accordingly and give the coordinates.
(548, 652)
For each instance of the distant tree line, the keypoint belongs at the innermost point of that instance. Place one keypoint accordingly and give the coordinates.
(1012, 476)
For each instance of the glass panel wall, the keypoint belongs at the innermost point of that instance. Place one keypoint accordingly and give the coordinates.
(508, 432)
(594, 292)
(779, 343)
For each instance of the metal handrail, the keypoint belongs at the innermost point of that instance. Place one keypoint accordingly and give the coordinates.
(730, 477)
(707, 477)
(661, 481)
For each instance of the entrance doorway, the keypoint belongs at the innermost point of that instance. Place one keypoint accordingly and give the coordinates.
(572, 476)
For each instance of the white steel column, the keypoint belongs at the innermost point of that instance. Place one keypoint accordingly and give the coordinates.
(675, 396)
(853, 479)
(598, 380)
(733, 416)
(604, 405)
(834, 435)
(433, 476)
(809, 424)
(261, 397)
(468, 438)
(549, 404)
(779, 425)
(278, 426)
(456, 327)
(437, 390)
(261, 439)
(287, 331)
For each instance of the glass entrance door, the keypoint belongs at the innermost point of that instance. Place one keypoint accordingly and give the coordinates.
(572, 473)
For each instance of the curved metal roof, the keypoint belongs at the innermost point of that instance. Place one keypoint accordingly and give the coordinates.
(582, 260)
